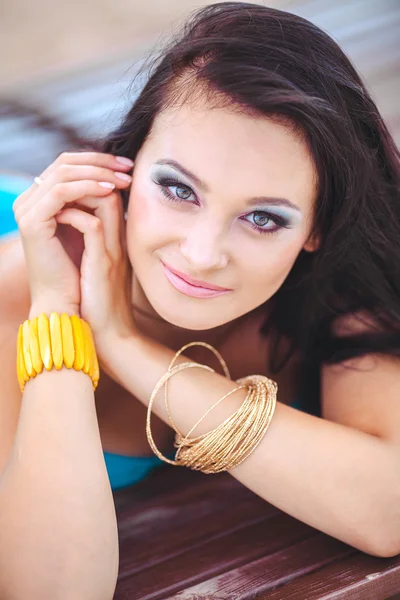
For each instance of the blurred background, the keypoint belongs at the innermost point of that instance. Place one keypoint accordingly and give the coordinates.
(67, 66)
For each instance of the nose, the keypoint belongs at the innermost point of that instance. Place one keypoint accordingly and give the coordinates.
(202, 247)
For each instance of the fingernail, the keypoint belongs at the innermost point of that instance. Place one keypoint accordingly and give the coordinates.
(124, 161)
(107, 184)
(123, 176)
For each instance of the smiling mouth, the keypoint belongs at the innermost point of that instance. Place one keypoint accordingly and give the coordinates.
(189, 289)
(195, 282)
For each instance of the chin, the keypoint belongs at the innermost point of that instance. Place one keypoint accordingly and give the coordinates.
(190, 319)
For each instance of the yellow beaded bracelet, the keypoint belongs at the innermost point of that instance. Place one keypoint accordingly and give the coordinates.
(53, 343)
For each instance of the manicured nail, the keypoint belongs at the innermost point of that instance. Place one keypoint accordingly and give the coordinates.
(123, 176)
(124, 161)
(107, 184)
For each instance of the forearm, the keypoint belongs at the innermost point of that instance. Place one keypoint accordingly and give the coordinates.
(57, 517)
(336, 479)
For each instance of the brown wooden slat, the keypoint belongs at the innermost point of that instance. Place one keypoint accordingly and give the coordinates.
(187, 522)
(212, 557)
(266, 573)
(357, 577)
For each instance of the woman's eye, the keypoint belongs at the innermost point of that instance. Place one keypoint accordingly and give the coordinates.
(176, 191)
(261, 219)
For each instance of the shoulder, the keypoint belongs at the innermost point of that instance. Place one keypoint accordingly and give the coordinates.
(362, 392)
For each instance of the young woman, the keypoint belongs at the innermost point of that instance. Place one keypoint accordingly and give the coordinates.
(250, 200)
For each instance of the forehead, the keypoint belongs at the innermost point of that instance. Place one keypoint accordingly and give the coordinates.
(228, 146)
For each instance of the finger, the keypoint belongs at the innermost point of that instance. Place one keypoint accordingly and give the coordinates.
(97, 159)
(60, 194)
(24, 197)
(21, 199)
(119, 164)
(66, 173)
(92, 229)
(110, 212)
(73, 172)
(78, 172)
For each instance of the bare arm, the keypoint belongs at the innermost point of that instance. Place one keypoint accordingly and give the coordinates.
(57, 518)
(337, 479)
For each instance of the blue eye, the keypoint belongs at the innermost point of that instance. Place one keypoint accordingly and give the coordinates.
(182, 191)
(262, 218)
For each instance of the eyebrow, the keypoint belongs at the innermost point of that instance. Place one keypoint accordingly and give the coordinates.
(205, 188)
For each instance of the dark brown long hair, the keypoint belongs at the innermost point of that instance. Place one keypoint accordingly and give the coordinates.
(276, 64)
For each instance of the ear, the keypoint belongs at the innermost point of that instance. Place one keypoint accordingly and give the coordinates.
(312, 244)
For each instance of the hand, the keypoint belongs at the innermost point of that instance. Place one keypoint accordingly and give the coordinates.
(53, 251)
(105, 270)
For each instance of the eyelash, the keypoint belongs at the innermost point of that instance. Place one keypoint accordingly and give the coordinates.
(165, 183)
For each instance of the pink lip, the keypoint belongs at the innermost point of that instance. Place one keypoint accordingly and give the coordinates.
(191, 287)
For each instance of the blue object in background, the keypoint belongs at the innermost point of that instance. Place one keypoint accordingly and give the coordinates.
(11, 186)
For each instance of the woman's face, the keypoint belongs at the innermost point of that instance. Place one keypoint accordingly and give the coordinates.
(223, 198)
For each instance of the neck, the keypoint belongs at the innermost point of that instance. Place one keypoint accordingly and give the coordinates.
(152, 325)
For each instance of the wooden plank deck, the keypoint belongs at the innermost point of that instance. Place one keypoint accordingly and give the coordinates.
(189, 536)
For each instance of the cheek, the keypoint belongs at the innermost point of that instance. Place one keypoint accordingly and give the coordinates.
(265, 270)
(146, 225)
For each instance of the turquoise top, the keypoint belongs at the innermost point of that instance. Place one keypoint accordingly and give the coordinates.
(122, 470)
(127, 470)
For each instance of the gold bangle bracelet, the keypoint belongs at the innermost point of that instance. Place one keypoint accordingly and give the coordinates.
(55, 342)
(229, 444)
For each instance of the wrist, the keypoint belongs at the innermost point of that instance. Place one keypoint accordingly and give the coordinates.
(111, 348)
(47, 306)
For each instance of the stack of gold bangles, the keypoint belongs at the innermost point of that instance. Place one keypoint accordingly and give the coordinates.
(236, 438)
